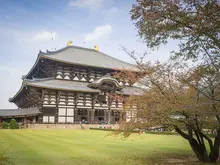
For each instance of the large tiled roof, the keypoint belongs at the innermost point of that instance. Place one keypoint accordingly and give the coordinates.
(75, 86)
(87, 57)
(60, 85)
(19, 112)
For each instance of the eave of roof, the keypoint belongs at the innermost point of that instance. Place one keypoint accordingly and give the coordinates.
(19, 112)
(35, 64)
(51, 83)
(75, 86)
(18, 92)
(66, 85)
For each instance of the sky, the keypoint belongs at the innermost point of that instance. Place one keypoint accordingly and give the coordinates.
(27, 26)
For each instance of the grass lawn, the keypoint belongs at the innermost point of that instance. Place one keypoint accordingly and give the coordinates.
(90, 147)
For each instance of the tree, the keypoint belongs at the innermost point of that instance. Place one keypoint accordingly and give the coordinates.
(196, 23)
(4, 125)
(193, 23)
(13, 124)
(172, 101)
(190, 102)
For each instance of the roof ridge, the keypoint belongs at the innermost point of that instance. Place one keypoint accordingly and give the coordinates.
(64, 48)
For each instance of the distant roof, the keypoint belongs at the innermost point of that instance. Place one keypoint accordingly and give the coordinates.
(19, 112)
(87, 57)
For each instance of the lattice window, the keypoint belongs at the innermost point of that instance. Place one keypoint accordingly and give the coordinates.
(99, 113)
(61, 119)
(65, 115)
(82, 112)
(48, 119)
(49, 114)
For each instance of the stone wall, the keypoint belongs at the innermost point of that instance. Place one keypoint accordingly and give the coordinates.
(69, 126)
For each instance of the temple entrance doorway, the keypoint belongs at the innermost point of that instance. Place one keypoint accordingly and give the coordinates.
(99, 116)
(101, 119)
(84, 120)
(117, 119)
(83, 115)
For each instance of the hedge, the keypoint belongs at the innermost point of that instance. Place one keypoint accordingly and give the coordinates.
(4, 125)
(148, 132)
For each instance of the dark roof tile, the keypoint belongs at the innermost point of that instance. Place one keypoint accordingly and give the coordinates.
(87, 57)
(76, 86)
(19, 112)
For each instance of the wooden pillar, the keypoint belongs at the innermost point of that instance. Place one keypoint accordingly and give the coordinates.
(57, 108)
(110, 100)
(88, 115)
(88, 75)
(122, 116)
(77, 116)
(40, 116)
(75, 113)
(75, 109)
(106, 115)
(109, 117)
(93, 109)
(40, 106)
(92, 115)
(34, 120)
(25, 120)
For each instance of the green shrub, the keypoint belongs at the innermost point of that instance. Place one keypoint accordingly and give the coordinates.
(4, 125)
(102, 129)
(13, 124)
(135, 131)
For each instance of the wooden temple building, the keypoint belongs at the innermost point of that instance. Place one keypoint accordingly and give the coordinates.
(73, 85)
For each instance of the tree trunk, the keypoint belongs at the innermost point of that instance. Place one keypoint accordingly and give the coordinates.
(199, 148)
(202, 154)
(214, 154)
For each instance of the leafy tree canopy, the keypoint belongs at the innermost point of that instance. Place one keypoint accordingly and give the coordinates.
(178, 95)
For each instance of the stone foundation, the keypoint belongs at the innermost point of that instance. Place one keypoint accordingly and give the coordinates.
(69, 126)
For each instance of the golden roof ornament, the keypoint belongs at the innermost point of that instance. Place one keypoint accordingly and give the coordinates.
(69, 43)
(96, 48)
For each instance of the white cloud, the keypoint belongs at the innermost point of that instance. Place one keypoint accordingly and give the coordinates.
(45, 36)
(99, 32)
(86, 3)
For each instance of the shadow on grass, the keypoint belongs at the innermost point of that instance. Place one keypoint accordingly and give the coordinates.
(165, 159)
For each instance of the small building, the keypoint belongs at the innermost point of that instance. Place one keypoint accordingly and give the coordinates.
(72, 85)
